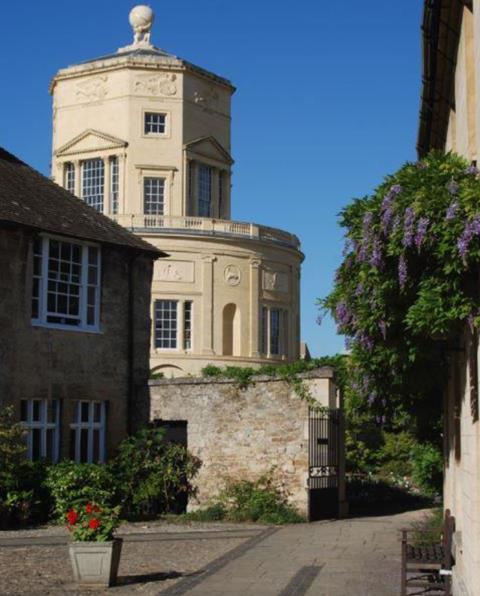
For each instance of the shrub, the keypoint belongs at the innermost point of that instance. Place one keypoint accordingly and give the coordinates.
(152, 474)
(243, 501)
(92, 523)
(427, 468)
(73, 484)
(395, 456)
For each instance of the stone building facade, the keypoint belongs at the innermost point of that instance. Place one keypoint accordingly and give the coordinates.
(144, 137)
(246, 433)
(74, 318)
(450, 121)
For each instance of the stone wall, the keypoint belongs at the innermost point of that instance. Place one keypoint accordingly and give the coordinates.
(47, 363)
(244, 433)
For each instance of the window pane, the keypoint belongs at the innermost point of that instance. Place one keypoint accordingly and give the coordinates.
(69, 181)
(85, 409)
(84, 445)
(114, 184)
(36, 443)
(93, 183)
(97, 411)
(204, 191)
(36, 410)
(187, 320)
(153, 196)
(50, 454)
(96, 445)
(274, 331)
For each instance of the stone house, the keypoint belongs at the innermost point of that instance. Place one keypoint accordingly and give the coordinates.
(74, 318)
(450, 121)
(145, 137)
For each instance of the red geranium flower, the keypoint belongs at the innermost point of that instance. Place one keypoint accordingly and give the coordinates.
(89, 508)
(94, 524)
(72, 517)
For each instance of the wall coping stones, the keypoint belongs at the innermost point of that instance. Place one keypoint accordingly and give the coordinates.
(325, 372)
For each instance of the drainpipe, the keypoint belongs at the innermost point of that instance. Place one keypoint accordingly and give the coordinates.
(130, 340)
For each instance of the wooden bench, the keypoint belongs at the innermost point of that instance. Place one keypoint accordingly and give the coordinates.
(428, 567)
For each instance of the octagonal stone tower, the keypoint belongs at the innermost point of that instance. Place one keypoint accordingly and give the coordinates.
(144, 137)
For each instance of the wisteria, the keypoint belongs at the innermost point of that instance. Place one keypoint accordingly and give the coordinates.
(382, 325)
(452, 211)
(472, 228)
(376, 256)
(343, 314)
(452, 187)
(422, 227)
(402, 271)
(359, 290)
(371, 398)
(408, 227)
(472, 169)
(365, 341)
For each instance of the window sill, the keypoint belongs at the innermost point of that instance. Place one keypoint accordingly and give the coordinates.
(94, 330)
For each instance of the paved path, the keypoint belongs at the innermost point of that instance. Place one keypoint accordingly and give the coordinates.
(354, 557)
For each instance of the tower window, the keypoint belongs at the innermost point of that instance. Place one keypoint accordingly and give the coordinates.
(69, 177)
(187, 325)
(153, 196)
(273, 331)
(93, 177)
(204, 191)
(114, 184)
(155, 123)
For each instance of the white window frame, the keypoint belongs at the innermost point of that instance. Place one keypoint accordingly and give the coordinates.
(265, 331)
(43, 425)
(205, 168)
(69, 176)
(163, 185)
(90, 425)
(97, 175)
(184, 308)
(155, 135)
(177, 328)
(113, 164)
(42, 319)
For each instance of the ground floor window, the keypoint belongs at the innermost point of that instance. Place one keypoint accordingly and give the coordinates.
(87, 432)
(273, 331)
(41, 420)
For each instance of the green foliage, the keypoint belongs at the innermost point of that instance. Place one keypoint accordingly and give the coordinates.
(428, 531)
(244, 501)
(12, 451)
(92, 522)
(151, 473)
(427, 468)
(74, 485)
(395, 455)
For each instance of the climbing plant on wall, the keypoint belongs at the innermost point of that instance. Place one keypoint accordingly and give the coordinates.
(408, 282)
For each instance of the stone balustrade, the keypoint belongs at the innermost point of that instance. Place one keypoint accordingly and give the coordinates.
(190, 225)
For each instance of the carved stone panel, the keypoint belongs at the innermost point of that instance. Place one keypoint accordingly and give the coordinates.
(275, 281)
(232, 275)
(176, 271)
(162, 84)
(94, 89)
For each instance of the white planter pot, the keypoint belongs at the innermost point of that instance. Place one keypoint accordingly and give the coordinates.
(95, 563)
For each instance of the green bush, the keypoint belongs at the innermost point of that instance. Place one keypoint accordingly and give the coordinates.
(395, 456)
(244, 501)
(72, 485)
(152, 475)
(427, 468)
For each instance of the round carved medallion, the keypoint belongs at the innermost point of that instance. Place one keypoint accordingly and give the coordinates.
(232, 275)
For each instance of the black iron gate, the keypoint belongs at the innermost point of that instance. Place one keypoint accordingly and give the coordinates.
(323, 463)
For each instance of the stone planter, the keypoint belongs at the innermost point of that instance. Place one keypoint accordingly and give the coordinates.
(95, 563)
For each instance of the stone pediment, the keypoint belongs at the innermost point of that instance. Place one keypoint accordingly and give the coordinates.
(90, 141)
(209, 147)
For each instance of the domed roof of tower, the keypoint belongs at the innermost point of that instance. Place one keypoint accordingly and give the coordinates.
(140, 52)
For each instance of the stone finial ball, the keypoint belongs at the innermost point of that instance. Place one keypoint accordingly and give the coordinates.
(141, 16)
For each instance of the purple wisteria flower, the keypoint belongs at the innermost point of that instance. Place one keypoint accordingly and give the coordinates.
(452, 211)
(472, 228)
(402, 271)
(382, 325)
(343, 314)
(422, 227)
(472, 169)
(452, 187)
(347, 247)
(408, 227)
(359, 290)
(396, 223)
(376, 256)
(371, 398)
(365, 341)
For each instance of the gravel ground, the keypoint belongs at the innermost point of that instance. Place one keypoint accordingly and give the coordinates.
(155, 556)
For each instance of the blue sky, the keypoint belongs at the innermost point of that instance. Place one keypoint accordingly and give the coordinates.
(327, 101)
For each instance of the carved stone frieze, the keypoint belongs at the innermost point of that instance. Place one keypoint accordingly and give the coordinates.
(94, 89)
(275, 281)
(176, 271)
(161, 84)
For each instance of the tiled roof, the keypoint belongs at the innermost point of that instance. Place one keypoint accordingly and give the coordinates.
(30, 199)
